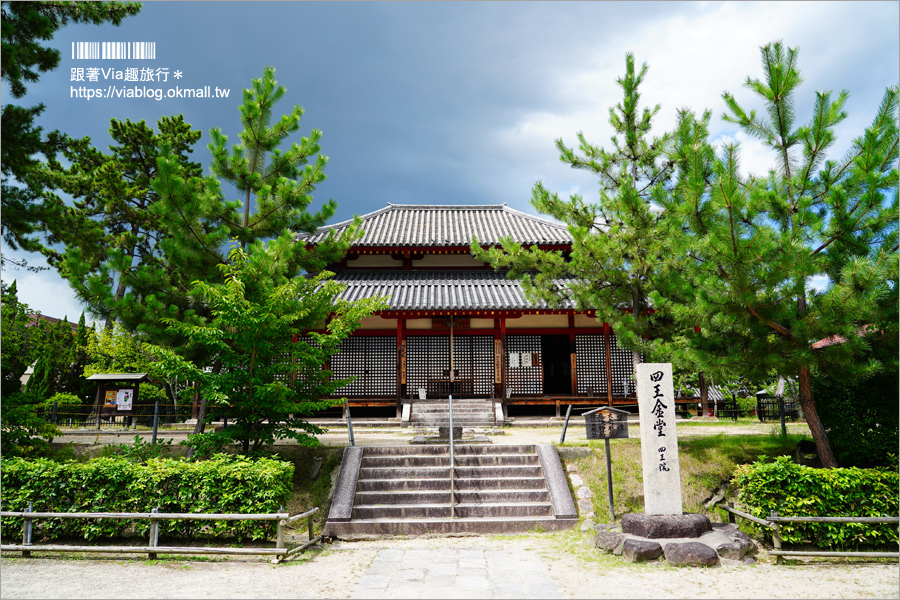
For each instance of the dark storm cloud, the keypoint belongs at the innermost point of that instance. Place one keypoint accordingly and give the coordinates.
(460, 102)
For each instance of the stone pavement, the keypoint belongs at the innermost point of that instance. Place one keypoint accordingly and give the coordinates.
(474, 572)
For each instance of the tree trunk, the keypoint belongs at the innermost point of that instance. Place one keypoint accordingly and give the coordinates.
(704, 395)
(823, 447)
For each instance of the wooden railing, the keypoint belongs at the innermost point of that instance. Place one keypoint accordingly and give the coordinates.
(773, 522)
(280, 551)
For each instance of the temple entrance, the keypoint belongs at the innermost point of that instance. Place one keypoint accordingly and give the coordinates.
(557, 365)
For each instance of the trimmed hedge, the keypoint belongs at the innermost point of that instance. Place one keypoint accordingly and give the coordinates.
(793, 490)
(223, 484)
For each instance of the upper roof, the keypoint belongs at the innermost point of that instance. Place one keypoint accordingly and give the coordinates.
(408, 225)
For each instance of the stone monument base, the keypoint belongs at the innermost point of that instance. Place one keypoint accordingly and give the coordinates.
(444, 433)
(687, 525)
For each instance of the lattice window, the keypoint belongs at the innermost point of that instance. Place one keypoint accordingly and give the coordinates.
(590, 364)
(373, 360)
(525, 371)
(622, 367)
(473, 356)
(427, 357)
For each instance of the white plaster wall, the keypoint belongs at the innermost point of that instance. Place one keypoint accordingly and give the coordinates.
(586, 321)
(377, 323)
(375, 260)
(446, 260)
(418, 323)
(538, 321)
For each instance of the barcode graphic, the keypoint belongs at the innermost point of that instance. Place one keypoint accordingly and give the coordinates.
(114, 50)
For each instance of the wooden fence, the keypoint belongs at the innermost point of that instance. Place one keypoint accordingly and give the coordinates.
(280, 551)
(773, 520)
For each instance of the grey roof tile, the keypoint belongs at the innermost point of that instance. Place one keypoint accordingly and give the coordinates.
(449, 225)
(438, 290)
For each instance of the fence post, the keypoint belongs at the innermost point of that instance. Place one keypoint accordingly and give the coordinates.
(562, 438)
(98, 418)
(781, 416)
(155, 421)
(349, 422)
(309, 526)
(776, 538)
(53, 413)
(279, 538)
(26, 531)
(154, 533)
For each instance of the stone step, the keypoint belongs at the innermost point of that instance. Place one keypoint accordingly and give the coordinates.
(495, 460)
(380, 485)
(406, 450)
(465, 449)
(456, 406)
(408, 497)
(512, 509)
(386, 527)
(491, 472)
(405, 490)
(409, 460)
(401, 472)
(401, 511)
(502, 496)
(499, 483)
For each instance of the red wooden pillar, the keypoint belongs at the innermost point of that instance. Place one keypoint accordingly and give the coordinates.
(609, 394)
(503, 372)
(572, 356)
(401, 362)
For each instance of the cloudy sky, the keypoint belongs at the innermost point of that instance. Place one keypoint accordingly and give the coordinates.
(460, 102)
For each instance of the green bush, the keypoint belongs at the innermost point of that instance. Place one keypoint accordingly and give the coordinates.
(139, 451)
(223, 484)
(793, 490)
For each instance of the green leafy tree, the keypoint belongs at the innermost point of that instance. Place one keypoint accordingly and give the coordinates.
(26, 26)
(754, 244)
(110, 236)
(24, 429)
(265, 382)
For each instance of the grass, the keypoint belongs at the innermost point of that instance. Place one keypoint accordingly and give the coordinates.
(706, 463)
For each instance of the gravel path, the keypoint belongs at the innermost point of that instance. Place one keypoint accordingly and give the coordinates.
(522, 566)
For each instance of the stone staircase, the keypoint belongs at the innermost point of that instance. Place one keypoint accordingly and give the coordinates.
(395, 490)
(467, 412)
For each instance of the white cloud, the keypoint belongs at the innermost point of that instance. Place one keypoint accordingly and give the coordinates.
(45, 291)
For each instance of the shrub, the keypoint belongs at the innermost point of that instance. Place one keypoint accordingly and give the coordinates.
(794, 490)
(223, 484)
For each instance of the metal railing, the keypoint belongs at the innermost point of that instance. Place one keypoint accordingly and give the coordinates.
(280, 551)
(452, 465)
(773, 522)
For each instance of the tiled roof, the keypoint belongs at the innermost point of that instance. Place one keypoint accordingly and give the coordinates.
(438, 290)
(449, 225)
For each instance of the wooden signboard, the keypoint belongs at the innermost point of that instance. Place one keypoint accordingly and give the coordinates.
(498, 362)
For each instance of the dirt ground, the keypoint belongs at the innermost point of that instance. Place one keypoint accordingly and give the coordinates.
(335, 572)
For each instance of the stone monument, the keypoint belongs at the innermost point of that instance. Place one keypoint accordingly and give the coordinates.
(659, 443)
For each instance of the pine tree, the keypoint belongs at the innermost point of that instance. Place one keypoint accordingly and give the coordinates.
(275, 188)
(110, 235)
(754, 244)
(25, 25)
(618, 246)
